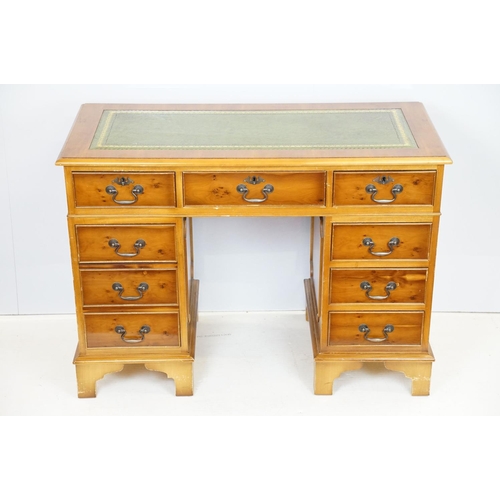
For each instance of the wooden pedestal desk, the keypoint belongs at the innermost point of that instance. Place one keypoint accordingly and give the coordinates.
(368, 176)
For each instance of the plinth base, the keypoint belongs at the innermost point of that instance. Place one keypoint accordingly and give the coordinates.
(327, 370)
(89, 371)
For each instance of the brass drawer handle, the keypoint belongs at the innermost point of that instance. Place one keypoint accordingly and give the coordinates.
(371, 189)
(116, 245)
(387, 329)
(120, 330)
(118, 287)
(136, 191)
(392, 243)
(390, 287)
(268, 188)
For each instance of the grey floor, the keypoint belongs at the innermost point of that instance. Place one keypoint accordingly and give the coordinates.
(249, 364)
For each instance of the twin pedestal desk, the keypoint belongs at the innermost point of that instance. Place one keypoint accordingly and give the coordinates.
(369, 177)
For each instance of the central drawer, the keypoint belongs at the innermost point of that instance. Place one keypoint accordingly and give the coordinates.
(255, 188)
(129, 287)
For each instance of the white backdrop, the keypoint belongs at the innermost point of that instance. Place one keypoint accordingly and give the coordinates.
(243, 264)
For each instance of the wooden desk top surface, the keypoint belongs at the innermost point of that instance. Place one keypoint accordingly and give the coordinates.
(151, 133)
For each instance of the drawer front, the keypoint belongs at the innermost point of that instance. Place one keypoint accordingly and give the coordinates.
(126, 243)
(260, 188)
(384, 188)
(377, 286)
(129, 190)
(129, 288)
(381, 241)
(375, 329)
(132, 330)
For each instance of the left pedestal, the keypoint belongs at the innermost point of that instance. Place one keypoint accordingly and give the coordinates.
(132, 260)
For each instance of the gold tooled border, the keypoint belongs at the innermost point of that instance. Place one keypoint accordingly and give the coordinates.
(395, 116)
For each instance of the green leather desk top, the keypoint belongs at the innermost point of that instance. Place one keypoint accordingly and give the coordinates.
(159, 132)
(285, 129)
